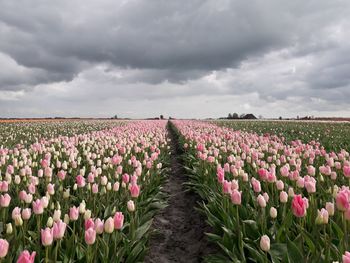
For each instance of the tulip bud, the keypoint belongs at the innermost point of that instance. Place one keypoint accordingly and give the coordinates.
(87, 214)
(109, 225)
(291, 192)
(322, 216)
(57, 215)
(66, 194)
(273, 212)
(9, 228)
(265, 243)
(131, 206)
(261, 201)
(82, 207)
(49, 222)
(66, 218)
(283, 197)
(18, 220)
(330, 208)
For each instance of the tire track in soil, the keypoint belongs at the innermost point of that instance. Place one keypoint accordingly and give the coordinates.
(179, 227)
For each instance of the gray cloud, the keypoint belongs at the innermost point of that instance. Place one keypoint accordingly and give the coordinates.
(68, 54)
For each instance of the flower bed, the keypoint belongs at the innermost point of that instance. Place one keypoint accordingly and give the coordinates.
(85, 198)
(269, 201)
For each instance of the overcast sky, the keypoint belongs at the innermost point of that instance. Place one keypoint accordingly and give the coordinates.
(183, 58)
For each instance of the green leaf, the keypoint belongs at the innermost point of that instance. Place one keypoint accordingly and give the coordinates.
(337, 229)
(255, 253)
(213, 237)
(294, 254)
(251, 229)
(278, 251)
(143, 229)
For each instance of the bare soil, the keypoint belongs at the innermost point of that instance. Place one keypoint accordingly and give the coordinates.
(179, 235)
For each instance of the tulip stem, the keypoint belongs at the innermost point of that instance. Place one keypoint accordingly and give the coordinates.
(240, 242)
(39, 231)
(56, 250)
(345, 233)
(47, 254)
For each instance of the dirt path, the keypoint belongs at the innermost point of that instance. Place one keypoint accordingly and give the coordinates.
(180, 228)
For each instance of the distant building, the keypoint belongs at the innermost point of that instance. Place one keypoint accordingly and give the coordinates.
(249, 116)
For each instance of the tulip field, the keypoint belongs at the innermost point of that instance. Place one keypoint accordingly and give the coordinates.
(88, 191)
(269, 199)
(79, 191)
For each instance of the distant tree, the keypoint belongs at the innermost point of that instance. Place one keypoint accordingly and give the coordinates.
(242, 116)
(161, 117)
(280, 118)
(260, 117)
(229, 116)
(235, 115)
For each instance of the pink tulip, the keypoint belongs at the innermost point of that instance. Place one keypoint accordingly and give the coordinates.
(266, 197)
(342, 200)
(120, 169)
(284, 170)
(38, 208)
(90, 236)
(4, 186)
(59, 228)
(44, 201)
(5, 200)
(125, 178)
(44, 163)
(330, 208)
(94, 188)
(4, 248)
(311, 170)
(263, 174)
(256, 185)
(310, 184)
(16, 212)
(50, 189)
(61, 175)
(99, 225)
(133, 179)
(46, 236)
(226, 187)
(22, 195)
(265, 243)
(299, 206)
(80, 181)
(26, 213)
(220, 173)
(118, 220)
(261, 201)
(73, 213)
(31, 188)
(300, 182)
(135, 191)
(280, 185)
(346, 171)
(89, 223)
(116, 186)
(346, 257)
(26, 257)
(236, 197)
(91, 178)
(10, 169)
